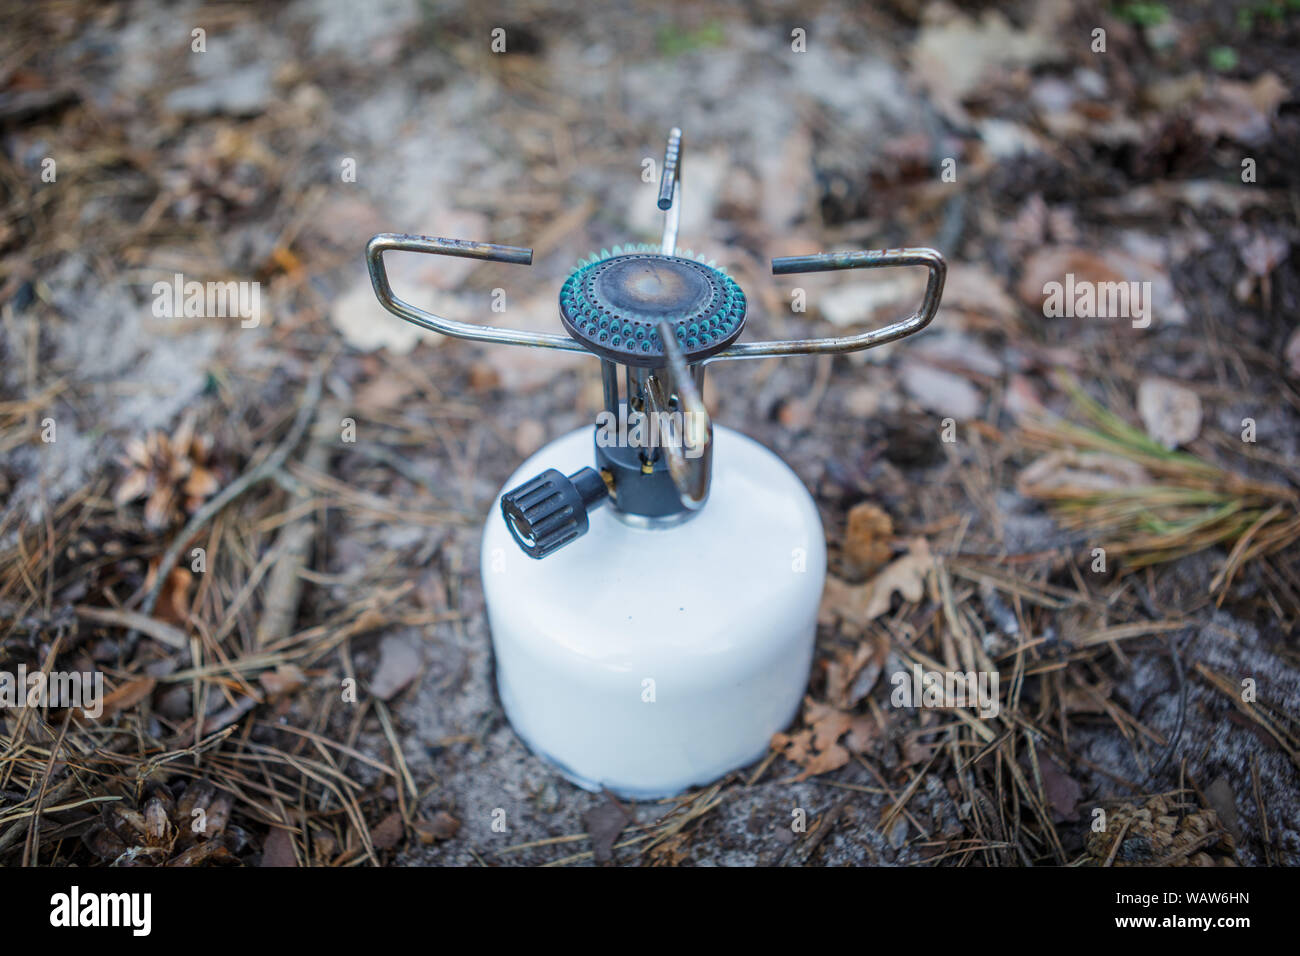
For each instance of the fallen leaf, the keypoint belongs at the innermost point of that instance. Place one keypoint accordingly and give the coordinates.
(907, 576)
(443, 826)
(839, 598)
(862, 734)
(278, 849)
(960, 353)
(916, 751)
(124, 697)
(1170, 412)
(383, 392)
(399, 661)
(174, 600)
(816, 748)
(976, 288)
(828, 724)
(604, 823)
(1262, 253)
(366, 325)
(1054, 263)
(388, 832)
(955, 55)
(339, 221)
(285, 679)
(940, 391)
(832, 758)
(518, 369)
(853, 673)
(898, 833)
(1241, 111)
(201, 483)
(863, 603)
(871, 300)
(136, 482)
(867, 539)
(1224, 803)
(1063, 791)
(796, 747)
(1169, 93)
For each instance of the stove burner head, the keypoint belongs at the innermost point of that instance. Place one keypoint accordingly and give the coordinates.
(617, 307)
(613, 306)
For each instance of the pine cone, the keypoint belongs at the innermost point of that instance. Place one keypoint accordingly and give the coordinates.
(168, 832)
(1155, 835)
(172, 473)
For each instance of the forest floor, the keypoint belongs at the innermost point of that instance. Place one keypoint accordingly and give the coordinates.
(263, 529)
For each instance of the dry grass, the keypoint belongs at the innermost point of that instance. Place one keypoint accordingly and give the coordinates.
(64, 771)
(1182, 504)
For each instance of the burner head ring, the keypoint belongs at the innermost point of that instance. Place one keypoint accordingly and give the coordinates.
(613, 306)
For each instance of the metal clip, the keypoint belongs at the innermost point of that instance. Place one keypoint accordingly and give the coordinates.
(688, 445)
(464, 249)
(834, 261)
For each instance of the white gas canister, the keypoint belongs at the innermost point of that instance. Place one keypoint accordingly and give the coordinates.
(652, 591)
(649, 660)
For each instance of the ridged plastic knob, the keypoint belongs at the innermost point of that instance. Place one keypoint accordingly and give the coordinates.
(547, 512)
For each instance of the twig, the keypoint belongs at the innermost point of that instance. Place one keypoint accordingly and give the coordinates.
(160, 631)
(1119, 839)
(60, 791)
(284, 585)
(804, 852)
(31, 848)
(1265, 839)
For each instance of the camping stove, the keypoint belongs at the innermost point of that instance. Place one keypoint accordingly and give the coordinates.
(652, 583)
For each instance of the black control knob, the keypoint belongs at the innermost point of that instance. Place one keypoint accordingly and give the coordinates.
(547, 512)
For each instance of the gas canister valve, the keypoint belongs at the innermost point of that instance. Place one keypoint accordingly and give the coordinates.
(547, 512)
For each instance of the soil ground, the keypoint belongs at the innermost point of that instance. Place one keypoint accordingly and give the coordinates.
(1000, 135)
